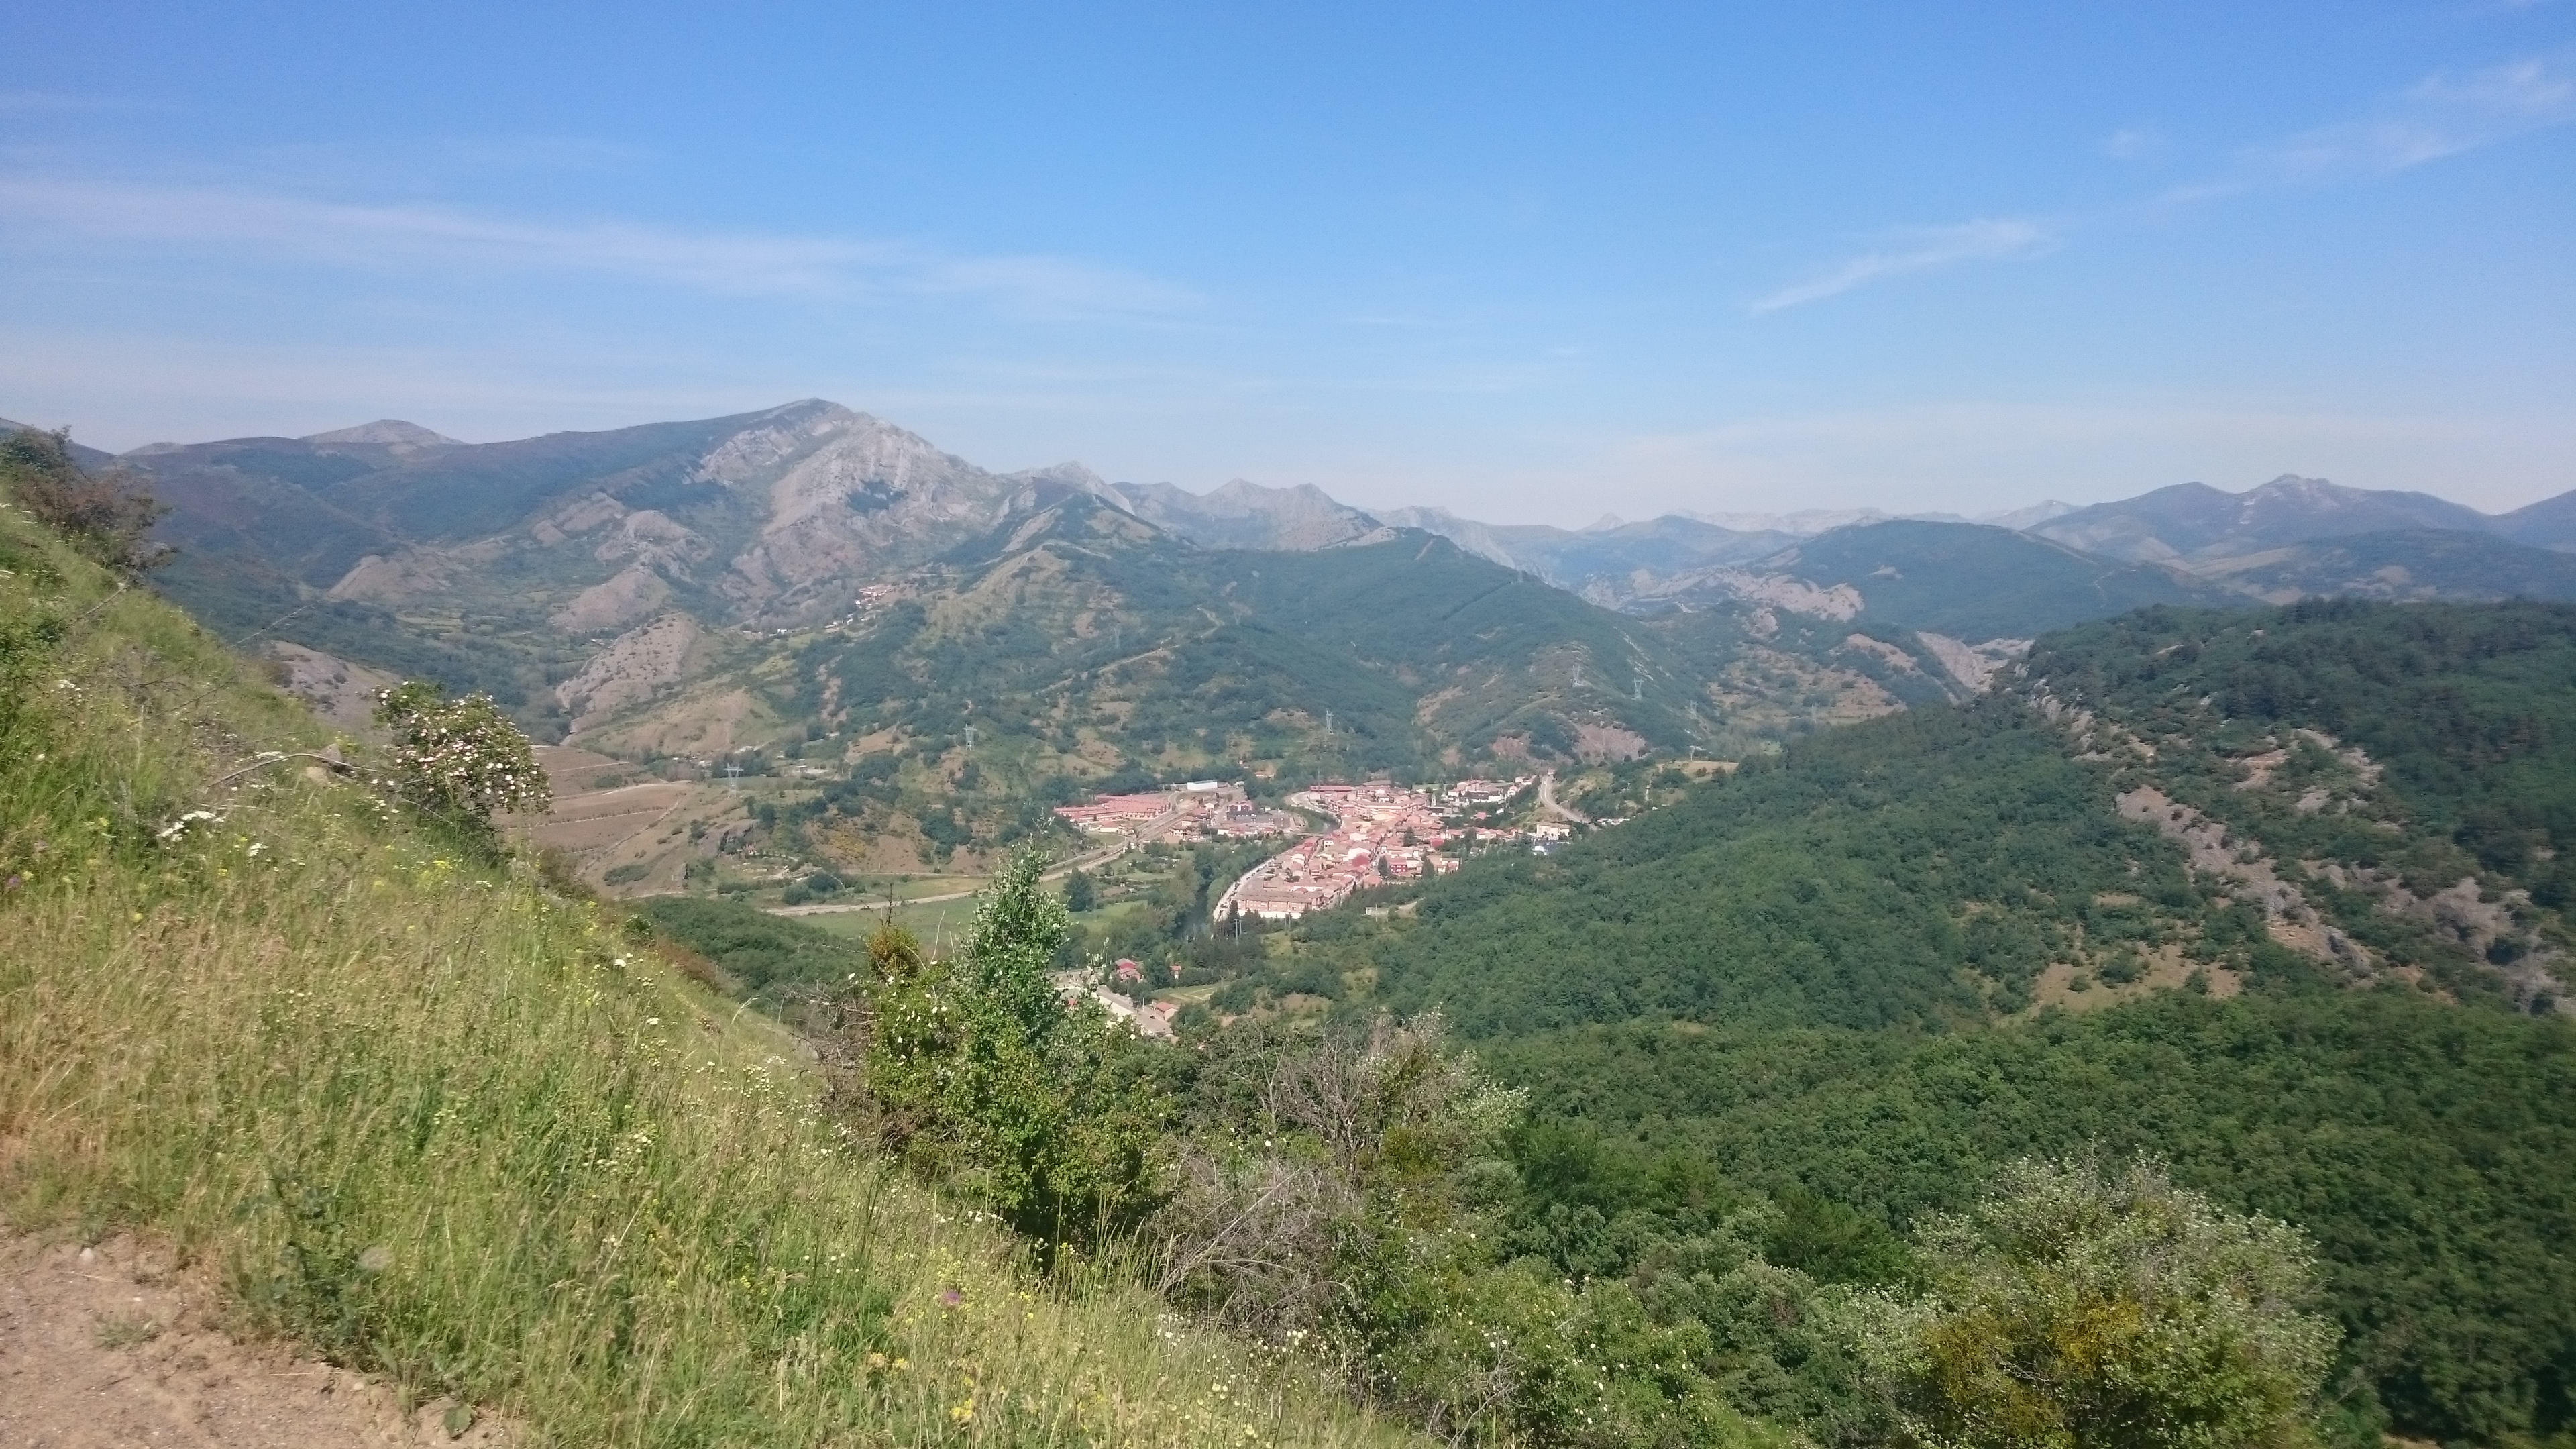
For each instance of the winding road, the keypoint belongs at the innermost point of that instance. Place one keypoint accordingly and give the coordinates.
(1547, 801)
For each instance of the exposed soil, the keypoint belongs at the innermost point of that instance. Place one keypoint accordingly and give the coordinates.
(108, 1346)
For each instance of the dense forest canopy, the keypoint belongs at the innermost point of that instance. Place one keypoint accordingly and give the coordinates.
(1838, 983)
(1917, 871)
(2471, 710)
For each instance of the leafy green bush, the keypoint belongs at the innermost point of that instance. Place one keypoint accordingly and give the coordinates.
(2073, 1308)
(980, 1075)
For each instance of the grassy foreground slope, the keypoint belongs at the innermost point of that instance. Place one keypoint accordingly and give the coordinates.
(433, 1120)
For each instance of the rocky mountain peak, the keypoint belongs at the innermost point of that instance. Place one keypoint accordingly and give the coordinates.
(392, 434)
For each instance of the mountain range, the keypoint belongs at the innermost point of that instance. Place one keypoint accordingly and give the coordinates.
(594, 580)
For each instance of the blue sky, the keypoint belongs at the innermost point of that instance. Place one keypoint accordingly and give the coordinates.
(1528, 262)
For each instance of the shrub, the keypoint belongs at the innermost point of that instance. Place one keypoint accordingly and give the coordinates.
(2073, 1308)
(981, 1076)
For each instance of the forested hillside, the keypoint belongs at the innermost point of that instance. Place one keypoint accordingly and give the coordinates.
(1918, 871)
(2470, 712)
(2425, 1146)
(2272, 894)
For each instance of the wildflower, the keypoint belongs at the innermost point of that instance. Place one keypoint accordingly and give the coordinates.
(179, 827)
(376, 1259)
(16, 881)
(951, 1298)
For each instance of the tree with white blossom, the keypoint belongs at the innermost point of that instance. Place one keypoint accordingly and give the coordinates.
(460, 760)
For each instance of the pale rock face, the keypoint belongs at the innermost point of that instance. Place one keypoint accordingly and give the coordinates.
(634, 666)
(651, 537)
(583, 515)
(1476, 538)
(1884, 652)
(339, 691)
(850, 495)
(377, 577)
(1839, 603)
(1243, 514)
(632, 594)
(1973, 665)
(392, 434)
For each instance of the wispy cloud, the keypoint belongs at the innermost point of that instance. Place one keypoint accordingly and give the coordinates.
(1920, 249)
(2442, 115)
(372, 236)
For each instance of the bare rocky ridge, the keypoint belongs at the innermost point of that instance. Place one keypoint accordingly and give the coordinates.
(2252, 877)
(633, 593)
(1838, 602)
(633, 668)
(1974, 666)
(339, 691)
(1243, 514)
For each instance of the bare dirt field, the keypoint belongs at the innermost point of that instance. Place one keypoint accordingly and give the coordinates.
(602, 818)
(108, 1346)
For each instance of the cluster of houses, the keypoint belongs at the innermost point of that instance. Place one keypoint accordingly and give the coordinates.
(1383, 832)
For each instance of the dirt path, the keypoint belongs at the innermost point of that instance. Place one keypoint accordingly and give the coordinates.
(107, 1346)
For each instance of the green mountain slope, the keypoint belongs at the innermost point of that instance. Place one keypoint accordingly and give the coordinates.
(1927, 869)
(1081, 641)
(2413, 564)
(1971, 581)
(2195, 522)
(1834, 888)
(2550, 523)
(2465, 717)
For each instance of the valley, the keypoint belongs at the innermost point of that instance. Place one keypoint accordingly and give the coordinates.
(1741, 921)
(831, 607)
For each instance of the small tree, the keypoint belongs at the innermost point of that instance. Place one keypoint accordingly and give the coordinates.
(460, 760)
(1080, 894)
(104, 517)
(979, 1073)
(2074, 1310)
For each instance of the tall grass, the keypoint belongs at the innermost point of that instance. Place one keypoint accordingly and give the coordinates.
(434, 1121)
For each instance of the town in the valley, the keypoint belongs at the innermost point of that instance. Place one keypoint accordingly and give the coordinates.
(1380, 833)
